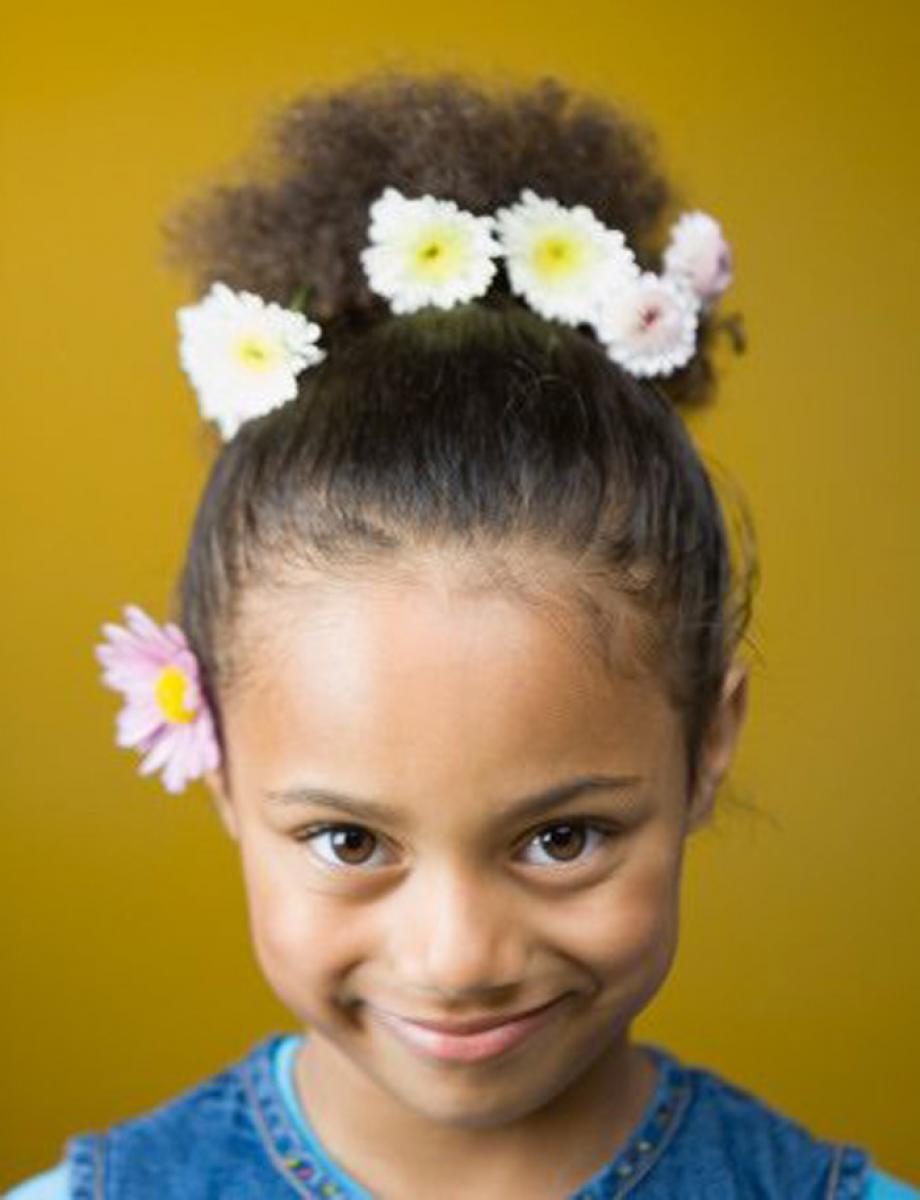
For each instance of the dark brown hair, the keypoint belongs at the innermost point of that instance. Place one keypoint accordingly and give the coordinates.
(484, 426)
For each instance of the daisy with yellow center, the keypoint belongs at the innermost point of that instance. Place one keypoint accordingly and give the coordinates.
(165, 715)
(243, 355)
(427, 252)
(561, 260)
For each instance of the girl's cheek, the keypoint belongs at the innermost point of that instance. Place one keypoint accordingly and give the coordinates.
(290, 922)
(630, 927)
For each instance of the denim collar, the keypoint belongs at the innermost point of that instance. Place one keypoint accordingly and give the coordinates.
(303, 1168)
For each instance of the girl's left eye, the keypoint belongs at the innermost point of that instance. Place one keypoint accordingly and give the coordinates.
(566, 842)
(343, 845)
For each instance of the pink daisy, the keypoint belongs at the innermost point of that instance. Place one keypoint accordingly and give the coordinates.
(165, 716)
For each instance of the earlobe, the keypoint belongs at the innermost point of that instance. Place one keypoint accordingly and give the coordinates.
(220, 795)
(701, 804)
(726, 728)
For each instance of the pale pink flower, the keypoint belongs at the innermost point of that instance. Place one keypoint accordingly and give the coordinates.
(165, 717)
(649, 325)
(699, 254)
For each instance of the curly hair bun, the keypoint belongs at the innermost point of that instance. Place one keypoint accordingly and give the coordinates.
(302, 220)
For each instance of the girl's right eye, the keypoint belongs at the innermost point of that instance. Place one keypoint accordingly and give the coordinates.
(342, 845)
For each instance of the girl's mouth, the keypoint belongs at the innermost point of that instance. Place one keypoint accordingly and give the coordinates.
(471, 1041)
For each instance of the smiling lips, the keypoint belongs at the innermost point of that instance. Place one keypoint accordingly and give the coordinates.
(469, 1041)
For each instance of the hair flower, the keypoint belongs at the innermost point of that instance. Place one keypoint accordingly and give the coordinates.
(562, 260)
(649, 326)
(243, 355)
(427, 252)
(165, 716)
(698, 253)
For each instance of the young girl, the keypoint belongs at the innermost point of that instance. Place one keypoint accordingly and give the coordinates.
(458, 658)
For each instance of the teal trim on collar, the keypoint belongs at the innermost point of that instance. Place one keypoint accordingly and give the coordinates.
(283, 1064)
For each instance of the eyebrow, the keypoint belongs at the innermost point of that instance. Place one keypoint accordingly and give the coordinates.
(522, 808)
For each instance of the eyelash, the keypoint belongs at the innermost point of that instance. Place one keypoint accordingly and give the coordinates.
(603, 832)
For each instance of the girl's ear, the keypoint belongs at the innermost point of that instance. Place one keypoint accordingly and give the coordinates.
(220, 794)
(719, 744)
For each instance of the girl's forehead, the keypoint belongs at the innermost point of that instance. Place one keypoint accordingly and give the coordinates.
(439, 605)
(393, 631)
(425, 679)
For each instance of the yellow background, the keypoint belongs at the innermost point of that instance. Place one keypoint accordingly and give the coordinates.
(127, 971)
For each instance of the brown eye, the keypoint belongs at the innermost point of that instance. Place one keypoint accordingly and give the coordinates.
(567, 843)
(352, 844)
(563, 842)
(342, 845)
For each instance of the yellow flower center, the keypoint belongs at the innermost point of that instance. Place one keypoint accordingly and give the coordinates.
(170, 693)
(438, 254)
(255, 352)
(556, 256)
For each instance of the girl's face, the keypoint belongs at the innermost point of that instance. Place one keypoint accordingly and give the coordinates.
(448, 812)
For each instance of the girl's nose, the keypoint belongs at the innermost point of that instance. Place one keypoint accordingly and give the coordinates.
(452, 932)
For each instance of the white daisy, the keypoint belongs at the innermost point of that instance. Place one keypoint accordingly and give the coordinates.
(562, 260)
(243, 354)
(649, 326)
(698, 253)
(427, 252)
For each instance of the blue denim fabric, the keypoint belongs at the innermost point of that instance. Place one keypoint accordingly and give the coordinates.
(233, 1137)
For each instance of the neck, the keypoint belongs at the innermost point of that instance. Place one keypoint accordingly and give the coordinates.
(395, 1151)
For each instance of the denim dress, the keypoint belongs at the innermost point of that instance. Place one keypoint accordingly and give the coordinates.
(241, 1135)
